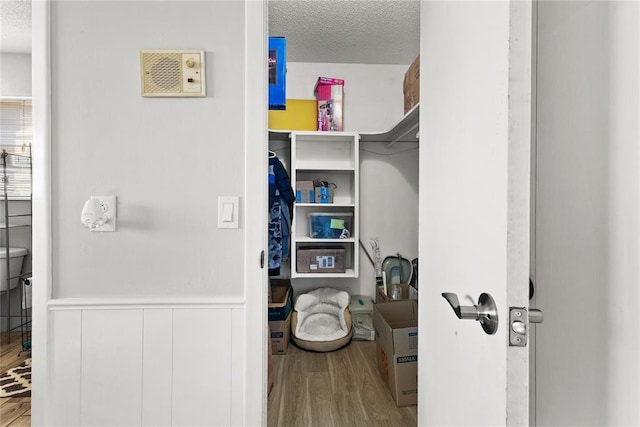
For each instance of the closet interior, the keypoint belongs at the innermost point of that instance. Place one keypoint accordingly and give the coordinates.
(343, 228)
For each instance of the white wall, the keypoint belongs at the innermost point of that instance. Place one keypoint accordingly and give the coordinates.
(373, 99)
(166, 159)
(160, 304)
(588, 195)
(15, 69)
(388, 177)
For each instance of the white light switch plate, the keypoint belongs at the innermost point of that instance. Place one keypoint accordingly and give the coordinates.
(228, 211)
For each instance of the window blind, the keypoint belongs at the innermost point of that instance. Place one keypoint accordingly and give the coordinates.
(15, 139)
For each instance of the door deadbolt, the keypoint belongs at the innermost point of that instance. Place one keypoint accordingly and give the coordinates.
(485, 311)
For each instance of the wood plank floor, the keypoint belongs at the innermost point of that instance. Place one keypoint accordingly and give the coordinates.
(14, 411)
(340, 388)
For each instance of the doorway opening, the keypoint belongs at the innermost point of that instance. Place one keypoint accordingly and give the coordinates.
(16, 253)
(347, 384)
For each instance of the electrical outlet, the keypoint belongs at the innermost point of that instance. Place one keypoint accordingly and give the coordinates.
(108, 204)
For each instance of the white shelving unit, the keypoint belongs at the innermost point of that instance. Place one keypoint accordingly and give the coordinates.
(332, 157)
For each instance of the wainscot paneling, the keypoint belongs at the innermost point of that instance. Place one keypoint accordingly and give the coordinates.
(111, 367)
(65, 373)
(238, 367)
(157, 360)
(202, 367)
(151, 363)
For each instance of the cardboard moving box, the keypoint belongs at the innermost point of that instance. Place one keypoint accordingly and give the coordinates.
(320, 260)
(280, 335)
(281, 303)
(411, 86)
(396, 326)
(279, 312)
(270, 364)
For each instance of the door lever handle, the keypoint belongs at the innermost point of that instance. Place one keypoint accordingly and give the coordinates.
(485, 311)
(462, 311)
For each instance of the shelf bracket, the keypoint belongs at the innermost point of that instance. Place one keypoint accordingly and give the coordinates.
(413, 128)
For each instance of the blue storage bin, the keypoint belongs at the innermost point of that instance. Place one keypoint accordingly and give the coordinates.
(324, 225)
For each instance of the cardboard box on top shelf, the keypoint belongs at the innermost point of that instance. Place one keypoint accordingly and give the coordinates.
(329, 95)
(396, 328)
(279, 312)
(411, 86)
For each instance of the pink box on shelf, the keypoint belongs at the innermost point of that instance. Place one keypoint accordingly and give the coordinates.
(329, 94)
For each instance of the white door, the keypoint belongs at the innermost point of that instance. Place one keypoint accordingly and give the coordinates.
(475, 131)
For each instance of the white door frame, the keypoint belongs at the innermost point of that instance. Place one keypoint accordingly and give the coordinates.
(521, 33)
(255, 209)
(41, 204)
(519, 137)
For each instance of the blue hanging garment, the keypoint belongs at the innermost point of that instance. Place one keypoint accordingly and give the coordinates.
(281, 197)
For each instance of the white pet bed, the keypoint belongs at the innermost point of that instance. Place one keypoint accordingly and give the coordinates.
(321, 320)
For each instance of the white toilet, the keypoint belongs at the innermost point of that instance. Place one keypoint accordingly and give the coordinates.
(16, 257)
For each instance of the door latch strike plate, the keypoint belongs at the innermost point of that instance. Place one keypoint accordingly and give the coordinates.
(518, 325)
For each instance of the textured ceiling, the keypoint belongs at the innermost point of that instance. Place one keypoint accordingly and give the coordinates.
(15, 26)
(348, 31)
